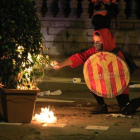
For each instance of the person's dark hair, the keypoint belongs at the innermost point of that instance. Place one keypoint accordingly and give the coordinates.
(99, 21)
(97, 34)
(113, 9)
(97, 5)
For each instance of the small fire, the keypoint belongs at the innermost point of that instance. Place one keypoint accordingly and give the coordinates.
(46, 116)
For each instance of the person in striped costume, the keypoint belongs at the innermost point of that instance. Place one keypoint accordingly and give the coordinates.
(103, 41)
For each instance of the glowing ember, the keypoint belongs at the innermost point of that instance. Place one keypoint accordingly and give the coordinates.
(34, 65)
(46, 116)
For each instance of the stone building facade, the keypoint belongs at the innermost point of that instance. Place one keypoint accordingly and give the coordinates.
(67, 27)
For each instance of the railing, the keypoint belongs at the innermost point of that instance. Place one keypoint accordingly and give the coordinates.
(83, 8)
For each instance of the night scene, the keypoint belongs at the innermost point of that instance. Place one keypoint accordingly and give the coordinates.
(69, 69)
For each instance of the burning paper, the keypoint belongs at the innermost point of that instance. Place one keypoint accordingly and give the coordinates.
(46, 116)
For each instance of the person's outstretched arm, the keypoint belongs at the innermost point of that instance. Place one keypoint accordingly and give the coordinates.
(65, 63)
(75, 60)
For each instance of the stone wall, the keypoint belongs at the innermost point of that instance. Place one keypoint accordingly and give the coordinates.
(65, 36)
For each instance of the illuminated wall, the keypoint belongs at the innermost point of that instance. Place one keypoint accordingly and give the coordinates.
(67, 26)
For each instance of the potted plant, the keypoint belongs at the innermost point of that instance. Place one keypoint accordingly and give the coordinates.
(20, 56)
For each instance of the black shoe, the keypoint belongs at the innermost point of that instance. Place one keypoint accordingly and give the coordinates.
(131, 107)
(101, 109)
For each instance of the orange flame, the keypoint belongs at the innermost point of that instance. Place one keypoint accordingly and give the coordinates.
(46, 116)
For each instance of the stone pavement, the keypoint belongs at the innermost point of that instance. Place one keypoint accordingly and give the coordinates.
(74, 93)
(73, 111)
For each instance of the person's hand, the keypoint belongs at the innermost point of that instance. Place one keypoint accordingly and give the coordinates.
(1, 85)
(55, 65)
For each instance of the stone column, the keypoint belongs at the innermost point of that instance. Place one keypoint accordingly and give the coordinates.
(133, 14)
(49, 6)
(85, 5)
(61, 5)
(121, 7)
(126, 42)
(73, 7)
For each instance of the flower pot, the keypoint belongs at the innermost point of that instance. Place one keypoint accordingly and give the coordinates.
(17, 105)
